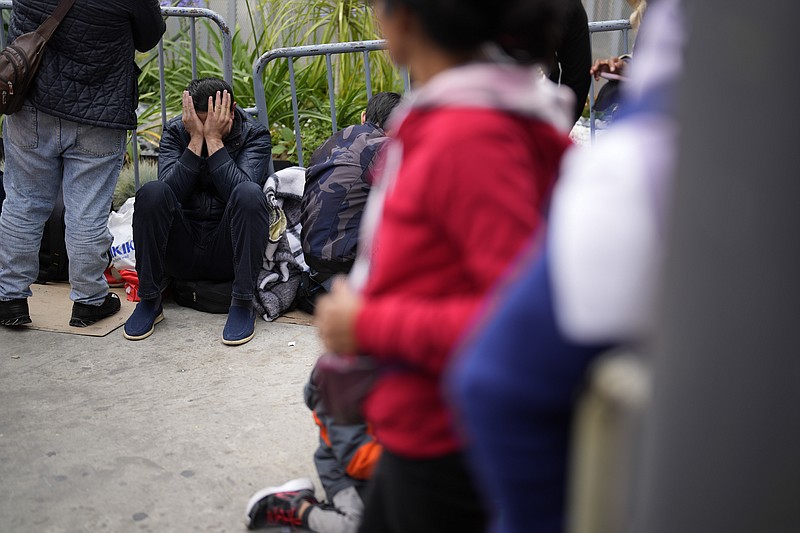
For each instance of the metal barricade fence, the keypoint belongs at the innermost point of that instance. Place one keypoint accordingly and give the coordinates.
(190, 13)
(327, 50)
(365, 47)
(292, 53)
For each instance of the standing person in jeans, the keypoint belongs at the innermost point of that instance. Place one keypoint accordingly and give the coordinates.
(467, 178)
(70, 135)
(206, 218)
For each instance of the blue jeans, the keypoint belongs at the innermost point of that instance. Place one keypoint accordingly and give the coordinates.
(45, 153)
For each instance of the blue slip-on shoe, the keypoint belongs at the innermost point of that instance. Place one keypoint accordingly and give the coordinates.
(240, 326)
(143, 320)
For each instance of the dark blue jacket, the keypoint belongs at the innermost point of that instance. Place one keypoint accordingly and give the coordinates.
(88, 74)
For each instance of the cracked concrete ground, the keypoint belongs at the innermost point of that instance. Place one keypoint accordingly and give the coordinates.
(172, 433)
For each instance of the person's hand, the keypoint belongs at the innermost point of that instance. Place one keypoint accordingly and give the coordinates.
(614, 65)
(219, 121)
(336, 315)
(192, 123)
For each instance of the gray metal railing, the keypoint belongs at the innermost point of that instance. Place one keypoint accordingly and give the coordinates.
(190, 13)
(291, 54)
(327, 50)
(364, 47)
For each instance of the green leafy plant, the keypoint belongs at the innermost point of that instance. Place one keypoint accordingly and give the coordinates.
(126, 185)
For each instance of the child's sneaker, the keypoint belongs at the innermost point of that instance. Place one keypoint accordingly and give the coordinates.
(278, 506)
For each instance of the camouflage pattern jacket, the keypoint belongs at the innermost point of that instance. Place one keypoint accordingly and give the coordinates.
(337, 186)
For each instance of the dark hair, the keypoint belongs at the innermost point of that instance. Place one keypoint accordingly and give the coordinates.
(527, 30)
(380, 106)
(202, 88)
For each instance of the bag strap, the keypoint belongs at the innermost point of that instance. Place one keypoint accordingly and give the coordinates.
(49, 26)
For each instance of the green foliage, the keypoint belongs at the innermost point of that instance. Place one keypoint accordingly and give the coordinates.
(126, 185)
(286, 23)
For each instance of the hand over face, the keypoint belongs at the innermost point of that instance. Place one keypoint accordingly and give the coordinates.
(192, 123)
(335, 317)
(220, 117)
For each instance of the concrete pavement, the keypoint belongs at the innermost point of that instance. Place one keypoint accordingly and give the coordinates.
(172, 433)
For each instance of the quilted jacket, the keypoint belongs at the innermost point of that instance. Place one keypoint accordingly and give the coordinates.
(203, 185)
(88, 74)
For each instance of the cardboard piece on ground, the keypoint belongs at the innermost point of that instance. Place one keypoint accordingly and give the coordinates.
(51, 309)
(296, 317)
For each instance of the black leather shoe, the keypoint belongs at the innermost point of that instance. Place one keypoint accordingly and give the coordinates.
(85, 315)
(14, 312)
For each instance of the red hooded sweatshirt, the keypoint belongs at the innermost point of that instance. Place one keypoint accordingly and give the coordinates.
(478, 150)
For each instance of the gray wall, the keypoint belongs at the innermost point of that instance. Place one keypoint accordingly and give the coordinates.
(724, 428)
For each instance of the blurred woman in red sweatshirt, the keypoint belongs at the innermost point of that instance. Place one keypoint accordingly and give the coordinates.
(464, 186)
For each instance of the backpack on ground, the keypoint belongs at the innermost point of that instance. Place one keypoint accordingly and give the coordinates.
(20, 60)
(53, 259)
(307, 293)
(202, 295)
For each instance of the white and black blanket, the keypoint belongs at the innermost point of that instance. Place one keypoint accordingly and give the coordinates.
(279, 277)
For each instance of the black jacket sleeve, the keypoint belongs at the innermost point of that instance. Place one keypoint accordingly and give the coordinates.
(575, 56)
(251, 163)
(178, 166)
(147, 23)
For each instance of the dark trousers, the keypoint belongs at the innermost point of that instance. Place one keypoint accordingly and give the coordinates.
(168, 243)
(428, 495)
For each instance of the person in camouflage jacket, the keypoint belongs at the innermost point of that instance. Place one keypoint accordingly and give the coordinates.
(337, 186)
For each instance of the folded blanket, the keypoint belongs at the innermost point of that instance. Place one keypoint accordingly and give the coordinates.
(277, 286)
(283, 263)
(284, 189)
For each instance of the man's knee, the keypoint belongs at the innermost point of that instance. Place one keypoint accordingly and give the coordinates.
(248, 196)
(154, 195)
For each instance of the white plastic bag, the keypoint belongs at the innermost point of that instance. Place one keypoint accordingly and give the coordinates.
(120, 224)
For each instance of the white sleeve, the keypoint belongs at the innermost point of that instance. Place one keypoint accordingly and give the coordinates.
(606, 234)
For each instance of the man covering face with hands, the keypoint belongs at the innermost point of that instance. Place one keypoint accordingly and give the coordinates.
(206, 217)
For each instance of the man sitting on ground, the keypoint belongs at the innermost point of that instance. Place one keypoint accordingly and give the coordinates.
(206, 217)
(337, 185)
